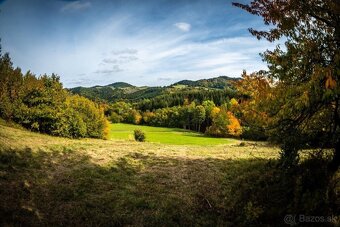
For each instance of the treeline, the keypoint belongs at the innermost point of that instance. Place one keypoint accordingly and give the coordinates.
(103, 93)
(42, 104)
(197, 95)
(220, 82)
(207, 117)
(238, 112)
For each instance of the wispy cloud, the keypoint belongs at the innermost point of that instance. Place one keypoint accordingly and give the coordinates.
(118, 58)
(110, 61)
(124, 51)
(114, 69)
(185, 27)
(153, 57)
(75, 6)
(164, 79)
(138, 45)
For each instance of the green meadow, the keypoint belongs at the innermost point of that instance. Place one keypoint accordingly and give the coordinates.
(161, 135)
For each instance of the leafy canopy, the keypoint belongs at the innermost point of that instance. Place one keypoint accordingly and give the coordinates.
(306, 72)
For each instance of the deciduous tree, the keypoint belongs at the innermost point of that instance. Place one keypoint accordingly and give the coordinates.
(306, 71)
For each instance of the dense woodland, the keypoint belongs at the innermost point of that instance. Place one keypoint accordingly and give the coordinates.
(42, 104)
(210, 106)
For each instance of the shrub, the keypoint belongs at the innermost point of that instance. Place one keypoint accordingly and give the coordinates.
(139, 135)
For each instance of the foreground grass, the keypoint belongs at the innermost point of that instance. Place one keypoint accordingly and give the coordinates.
(53, 181)
(166, 135)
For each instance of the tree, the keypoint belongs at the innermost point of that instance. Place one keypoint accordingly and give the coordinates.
(208, 105)
(234, 126)
(220, 122)
(10, 82)
(306, 73)
(148, 116)
(256, 92)
(90, 114)
(199, 116)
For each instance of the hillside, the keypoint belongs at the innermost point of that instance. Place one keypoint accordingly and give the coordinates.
(116, 90)
(128, 92)
(220, 82)
(51, 181)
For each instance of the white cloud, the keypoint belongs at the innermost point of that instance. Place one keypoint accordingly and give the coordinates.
(185, 27)
(75, 6)
(109, 60)
(124, 51)
(114, 69)
(108, 53)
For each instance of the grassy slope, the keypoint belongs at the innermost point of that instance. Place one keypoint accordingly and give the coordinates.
(46, 180)
(166, 135)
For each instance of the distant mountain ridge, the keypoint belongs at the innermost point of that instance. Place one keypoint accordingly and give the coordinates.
(216, 82)
(120, 85)
(126, 91)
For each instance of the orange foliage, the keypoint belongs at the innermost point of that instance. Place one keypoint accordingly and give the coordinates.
(234, 126)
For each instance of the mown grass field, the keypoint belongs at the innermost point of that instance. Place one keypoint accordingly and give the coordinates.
(166, 135)
(52, 181)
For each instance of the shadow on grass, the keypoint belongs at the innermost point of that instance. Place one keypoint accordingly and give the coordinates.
(64, 187)
(201, 135)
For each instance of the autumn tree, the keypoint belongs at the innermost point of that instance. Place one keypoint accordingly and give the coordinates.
(220, 122)
(234, 126)
(42, 104)
(256, 92)
(306, 71)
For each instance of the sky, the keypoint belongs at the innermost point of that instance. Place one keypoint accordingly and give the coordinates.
(149, 42)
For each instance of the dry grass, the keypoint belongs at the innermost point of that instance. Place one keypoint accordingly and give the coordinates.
(109, 150)
(47, 180)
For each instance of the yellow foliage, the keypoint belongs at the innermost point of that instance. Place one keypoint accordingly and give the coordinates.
(147, 116)
(106, 129)
(214, 112)
(234, 127)
(137, 118)
(233, 102)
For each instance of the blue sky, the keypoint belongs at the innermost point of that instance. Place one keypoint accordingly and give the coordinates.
(149, 42)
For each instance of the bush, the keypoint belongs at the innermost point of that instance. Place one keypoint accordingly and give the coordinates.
(139, 135)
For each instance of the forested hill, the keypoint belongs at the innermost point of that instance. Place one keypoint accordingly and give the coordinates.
(124, 91)
(218, 82)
